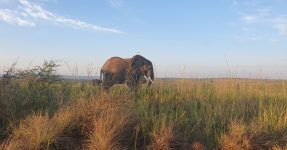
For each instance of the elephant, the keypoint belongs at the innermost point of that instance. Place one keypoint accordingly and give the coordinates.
(117, 70)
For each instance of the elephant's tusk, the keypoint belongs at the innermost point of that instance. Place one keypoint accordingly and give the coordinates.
(146, 78)
(150, 80)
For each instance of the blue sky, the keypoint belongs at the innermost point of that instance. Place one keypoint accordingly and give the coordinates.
(187, 38)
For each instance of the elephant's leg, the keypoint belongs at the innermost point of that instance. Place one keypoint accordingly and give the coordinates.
(133, 86)
(106, 87)
(107, 81)
(133, 83)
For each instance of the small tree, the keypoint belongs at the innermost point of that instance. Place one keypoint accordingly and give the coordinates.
(46, 72)
(25, 91)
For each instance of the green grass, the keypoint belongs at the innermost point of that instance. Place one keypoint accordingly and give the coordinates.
(177, 114)
(203, 110)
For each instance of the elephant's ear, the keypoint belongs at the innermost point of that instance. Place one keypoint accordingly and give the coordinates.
(136, 62)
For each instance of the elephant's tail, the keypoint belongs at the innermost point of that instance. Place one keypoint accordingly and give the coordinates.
(98, 81)
(101, 75)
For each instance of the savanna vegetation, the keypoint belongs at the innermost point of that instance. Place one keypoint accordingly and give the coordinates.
(39, 110)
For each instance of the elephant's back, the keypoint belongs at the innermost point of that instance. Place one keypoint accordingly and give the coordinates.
(115, 64)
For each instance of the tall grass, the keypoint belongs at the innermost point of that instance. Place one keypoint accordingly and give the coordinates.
(175, 114)
(202, 111)
(111, 126)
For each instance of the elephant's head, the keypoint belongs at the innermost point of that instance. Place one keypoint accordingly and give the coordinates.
(141, 67)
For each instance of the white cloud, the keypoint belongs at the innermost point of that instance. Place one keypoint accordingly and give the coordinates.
(9, 16)
(28, 13)
(261, 15)
(249, 19)
(256, 38)
(263, 12)
(37, 12)
(282, 28)
(264, 17)
(116, 3)
(249, 38)
(280, 24)
(83, 25)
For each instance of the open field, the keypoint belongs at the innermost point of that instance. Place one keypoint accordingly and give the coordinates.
(177, 114)
(143, 74)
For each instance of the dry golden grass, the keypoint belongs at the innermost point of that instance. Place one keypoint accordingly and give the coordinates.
(239, 137)
(163, 138)
(110, 124)
(104, 122)
(39, 131)
(279, 147)
(181, 114)
(236, 138)
(197, 146)
(108, 130)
